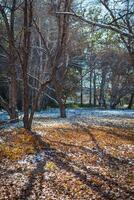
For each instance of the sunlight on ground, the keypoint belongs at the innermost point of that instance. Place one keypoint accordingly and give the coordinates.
(67, 161)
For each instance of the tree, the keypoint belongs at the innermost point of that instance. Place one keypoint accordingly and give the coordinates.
(61, 58)
(123, 19)
(10, 107)
(57, 49)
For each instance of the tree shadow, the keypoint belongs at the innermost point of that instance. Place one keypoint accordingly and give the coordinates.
(121, 135)
(110, 160)
(64, 162)
(27, 189)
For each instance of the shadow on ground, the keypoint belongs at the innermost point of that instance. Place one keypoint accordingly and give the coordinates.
(104, 188)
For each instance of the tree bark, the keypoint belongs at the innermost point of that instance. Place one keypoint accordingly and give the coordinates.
(114, 102)
(9, 24)
(90, 91)
(61, 57)
(81, 89)
(113, 106)
(12, 84)
(130, 105)
(94, 83)
(102, 102)
(13, 98)
(62, 110)
(27, 23)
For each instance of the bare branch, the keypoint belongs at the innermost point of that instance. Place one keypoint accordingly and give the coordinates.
(93, 23)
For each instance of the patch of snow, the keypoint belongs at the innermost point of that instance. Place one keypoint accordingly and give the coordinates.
(32, 159)
(3, 115)
(80, 116)
(12, 126)
(54, 113)
(51, 122)
(1, 140)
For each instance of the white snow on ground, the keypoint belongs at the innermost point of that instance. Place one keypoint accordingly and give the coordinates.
(11, 126)
(54, 113)
(86, 112)
(86, 117)
(81, 116)
(3, 115)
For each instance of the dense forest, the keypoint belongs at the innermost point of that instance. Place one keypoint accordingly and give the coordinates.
(59, 53)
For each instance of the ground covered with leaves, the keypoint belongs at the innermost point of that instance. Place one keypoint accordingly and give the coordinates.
(78, 158)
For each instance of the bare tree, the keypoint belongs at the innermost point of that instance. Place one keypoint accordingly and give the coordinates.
(57, 50)
(10, 107)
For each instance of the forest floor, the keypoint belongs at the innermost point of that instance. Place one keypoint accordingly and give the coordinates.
(84, 157)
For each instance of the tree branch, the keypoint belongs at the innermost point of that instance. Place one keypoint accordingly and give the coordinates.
(93, 23)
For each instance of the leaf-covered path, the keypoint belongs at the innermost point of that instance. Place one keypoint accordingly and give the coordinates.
(78, 159)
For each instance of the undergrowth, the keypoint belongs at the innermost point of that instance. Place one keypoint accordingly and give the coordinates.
(17, 144)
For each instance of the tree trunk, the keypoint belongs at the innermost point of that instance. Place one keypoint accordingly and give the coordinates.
(5, 105)
(13, 100)
(131, 101)
(132, 95)
(27, 24)
(94, 83)
(112, 106)
(62, 110)
(11, 106)
(12, 90)
(39, 104)
(102, 102)
(90, 92)
(81, 89)
(9, 23)
(114, 102)
(25, 101)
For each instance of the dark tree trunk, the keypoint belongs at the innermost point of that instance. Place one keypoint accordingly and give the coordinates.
(62, 110)
(39, 104)
(25, 101)
(81, 89)
(62, 105)
(12, 87)
(28, 16)
(130, 105)
(61, 57)
(113, 106)
(94, 83)
(114, 102)
(90, 91)
(9, 23)
(102, 102)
